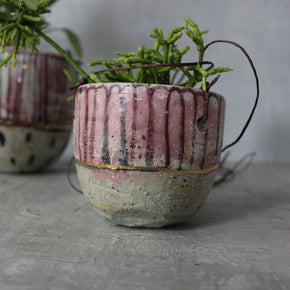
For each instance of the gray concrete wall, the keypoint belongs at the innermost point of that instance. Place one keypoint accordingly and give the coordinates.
(261, 26)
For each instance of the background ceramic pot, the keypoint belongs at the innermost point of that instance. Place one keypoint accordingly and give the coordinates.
(35, 117)
(147, 155)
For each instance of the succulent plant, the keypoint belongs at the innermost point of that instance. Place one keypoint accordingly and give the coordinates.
(22, 24)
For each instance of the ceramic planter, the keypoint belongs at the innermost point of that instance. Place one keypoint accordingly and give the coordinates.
(35, 117)
(147, 155)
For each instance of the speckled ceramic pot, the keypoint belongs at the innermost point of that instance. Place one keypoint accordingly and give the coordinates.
(35, 117)
(147, 155)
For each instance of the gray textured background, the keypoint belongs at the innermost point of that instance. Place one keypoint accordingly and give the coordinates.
(261, 26)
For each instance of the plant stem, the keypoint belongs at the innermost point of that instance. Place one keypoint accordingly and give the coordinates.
(65, 55)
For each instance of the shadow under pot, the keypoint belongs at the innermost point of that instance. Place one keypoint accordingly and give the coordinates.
(147, 155)
(35, 117)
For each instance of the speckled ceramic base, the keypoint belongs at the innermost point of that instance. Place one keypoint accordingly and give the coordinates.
(29, 149)
(144, 199)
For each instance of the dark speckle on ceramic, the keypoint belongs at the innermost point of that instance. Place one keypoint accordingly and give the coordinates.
(31, 159)
(52, 143)
(28, 137)
(2, 139)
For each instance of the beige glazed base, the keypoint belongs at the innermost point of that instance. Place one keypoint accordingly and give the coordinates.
(144, 198)
(28, 149)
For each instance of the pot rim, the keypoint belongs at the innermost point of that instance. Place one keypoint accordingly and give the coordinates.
(41, 53)
(199, 90)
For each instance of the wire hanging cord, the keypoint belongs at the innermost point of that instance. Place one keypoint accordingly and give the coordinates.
(229, 173)
(68, 176)
(257, 85)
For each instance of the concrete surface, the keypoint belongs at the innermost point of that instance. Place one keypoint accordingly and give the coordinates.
(51, 238)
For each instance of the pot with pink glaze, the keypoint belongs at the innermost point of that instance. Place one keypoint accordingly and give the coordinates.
(35, 117)
(147, 155)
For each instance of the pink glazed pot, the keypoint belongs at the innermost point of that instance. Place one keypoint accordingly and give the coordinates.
(35, 117)
(147, 155)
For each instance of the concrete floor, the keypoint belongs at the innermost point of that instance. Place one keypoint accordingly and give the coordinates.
(51, 238)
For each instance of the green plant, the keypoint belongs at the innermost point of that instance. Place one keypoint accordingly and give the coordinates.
(161, 63)
(23, 24)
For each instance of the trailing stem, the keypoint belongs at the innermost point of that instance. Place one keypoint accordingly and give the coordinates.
(69, 59)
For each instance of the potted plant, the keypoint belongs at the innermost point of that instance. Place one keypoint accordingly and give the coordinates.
(147, 144)
(35, 117)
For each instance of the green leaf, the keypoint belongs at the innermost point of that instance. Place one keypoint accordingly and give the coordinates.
(70, 77)
(31, 4)
(34, 19)
(70, 98)
(74, 41)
